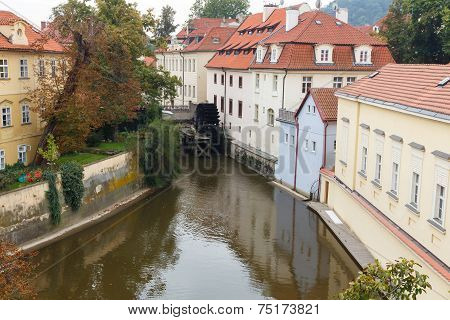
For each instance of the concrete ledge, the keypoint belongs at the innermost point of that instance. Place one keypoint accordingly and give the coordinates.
(86, 223)
(293, 193)
(355, 247)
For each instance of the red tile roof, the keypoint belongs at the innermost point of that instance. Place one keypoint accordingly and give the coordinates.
(301, 57)
(149, 61)
(317, 27)
(200, 26)
(298, 51)
(36, 40)
(414, 86)
(221, 34)
(326, 102)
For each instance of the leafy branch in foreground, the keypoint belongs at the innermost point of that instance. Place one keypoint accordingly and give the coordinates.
(398, 281)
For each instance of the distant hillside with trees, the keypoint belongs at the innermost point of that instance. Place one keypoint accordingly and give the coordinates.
(362, 12)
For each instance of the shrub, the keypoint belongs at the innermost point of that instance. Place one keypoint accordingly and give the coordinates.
(53, 197)
(94, 139)
(51, 154)
(72, 174)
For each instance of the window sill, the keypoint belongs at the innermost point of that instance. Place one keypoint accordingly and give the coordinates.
(26, 124)
(437, 225)
(270, 125)
(392, 195)
(413, 209)
(274, 94)
(343, 163)
(376, 184)
(255, 120)
(363, 175)
(6, 127)
(24, 78)
(5, 79)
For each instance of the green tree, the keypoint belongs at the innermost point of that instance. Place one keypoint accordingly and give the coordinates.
(219, 8)
(166, 23)
(398, 281)
(362, 12)
(417, 31)
(51, 154)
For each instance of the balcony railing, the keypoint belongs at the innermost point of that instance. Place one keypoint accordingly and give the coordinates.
(286, 116)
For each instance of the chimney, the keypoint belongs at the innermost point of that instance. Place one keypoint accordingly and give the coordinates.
(269, 7)
(43, 25)
(304, 7)
(342, 14)
(292, 15)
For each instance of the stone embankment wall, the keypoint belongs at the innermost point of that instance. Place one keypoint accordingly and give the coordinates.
(24, 213)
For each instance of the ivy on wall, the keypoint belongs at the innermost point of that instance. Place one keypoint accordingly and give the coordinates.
(53, 198)
(72, 174)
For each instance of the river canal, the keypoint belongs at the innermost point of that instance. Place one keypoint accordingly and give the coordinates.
(221, 232)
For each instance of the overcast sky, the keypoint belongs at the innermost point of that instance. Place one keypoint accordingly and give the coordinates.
(40, 10)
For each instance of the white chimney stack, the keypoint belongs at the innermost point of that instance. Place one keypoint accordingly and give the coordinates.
(269, 7)
(342, 14)
(304, 7)
(292, 15)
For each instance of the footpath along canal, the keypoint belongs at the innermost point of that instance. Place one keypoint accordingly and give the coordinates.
(221, 232)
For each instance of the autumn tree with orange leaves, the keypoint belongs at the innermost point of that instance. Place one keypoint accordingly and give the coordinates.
(16, 273)
(99, 80)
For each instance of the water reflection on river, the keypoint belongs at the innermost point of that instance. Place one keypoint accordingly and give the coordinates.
(226, 234)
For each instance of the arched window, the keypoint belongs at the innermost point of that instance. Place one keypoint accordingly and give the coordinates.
(270, 117)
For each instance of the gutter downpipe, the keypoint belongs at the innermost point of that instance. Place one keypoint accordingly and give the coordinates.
(182, 88)
(284, 83)
(225, 108)
(164, 63)
(324, 161)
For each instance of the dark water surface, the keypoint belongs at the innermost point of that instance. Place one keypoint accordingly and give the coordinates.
(220, 234)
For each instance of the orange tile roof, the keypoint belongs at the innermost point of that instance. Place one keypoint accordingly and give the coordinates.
(36, 40)
(407, 86)
(301, 57)
(149, 61)
(207, 43)
(326, 102)
(298, 52)
(200, 26)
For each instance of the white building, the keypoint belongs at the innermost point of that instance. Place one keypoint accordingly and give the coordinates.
(271, 62)
(189, 52)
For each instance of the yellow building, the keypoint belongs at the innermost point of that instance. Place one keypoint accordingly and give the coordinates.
(391, 177)
(25, 55)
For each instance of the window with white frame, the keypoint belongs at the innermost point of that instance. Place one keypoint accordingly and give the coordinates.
(351, 80)
(26, 114)
(22, 154)
(363, 54)
(259, 55)
(324, 55)
(193, 65)
(41, 68)
(4, 74)
(23, 68)
(306, 144)
(440, 194)
(344, 142)
(256, 113)
(257, 77)
(378, 167)
(2, 160)
(189, 90)
(275, 84)
(292, 140)
(215, 78)
(6, 116)
(313, 146)
(415, 189)
(396, 157)
(274, 55)
(379, 150)
(364, 152)
(270, 117)
(416, 166)
(306, 84)
(338, 82)
(286, 138)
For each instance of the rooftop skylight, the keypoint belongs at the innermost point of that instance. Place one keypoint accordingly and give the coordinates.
(373, 75)
(444, 82)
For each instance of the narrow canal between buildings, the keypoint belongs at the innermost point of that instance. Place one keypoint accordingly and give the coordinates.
(221, 232)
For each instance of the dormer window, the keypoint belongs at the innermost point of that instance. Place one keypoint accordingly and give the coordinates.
(19, 32)
(259, 55)
(250, 31)
(324, 53)
(274, 55)
(363, 55)
(215, 40)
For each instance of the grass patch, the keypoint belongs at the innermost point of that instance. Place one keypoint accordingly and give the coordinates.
(82, 158)
(112, 146)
